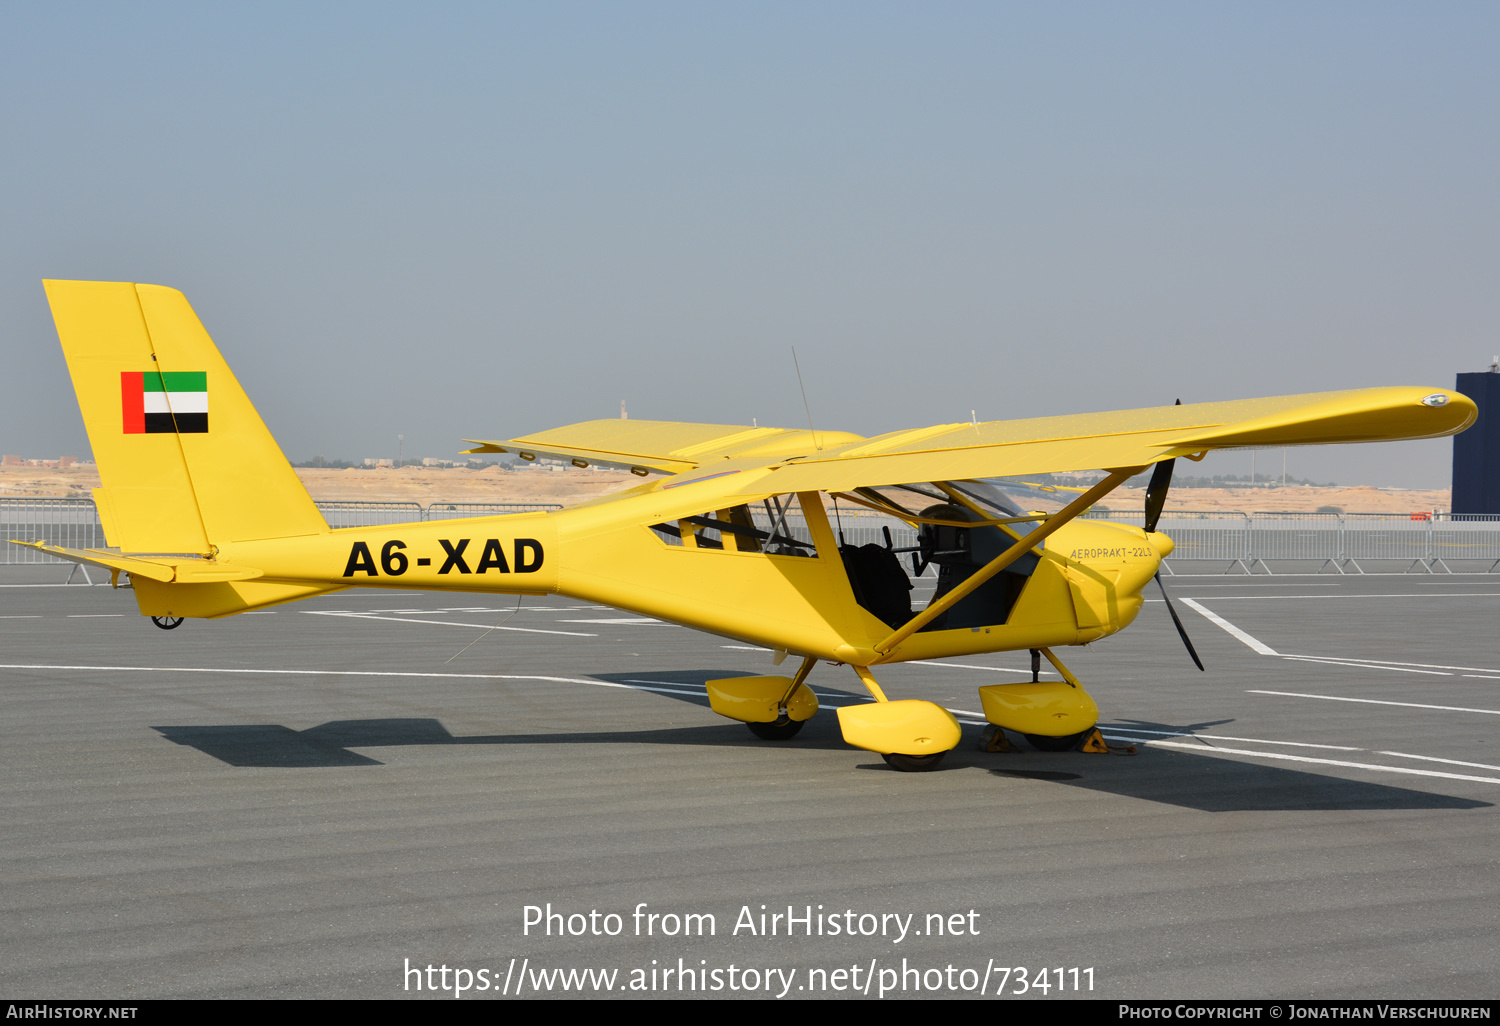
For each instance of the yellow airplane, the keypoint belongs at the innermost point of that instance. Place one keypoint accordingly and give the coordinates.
(728, 532)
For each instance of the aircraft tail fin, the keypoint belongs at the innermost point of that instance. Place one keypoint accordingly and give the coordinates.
(185, 462)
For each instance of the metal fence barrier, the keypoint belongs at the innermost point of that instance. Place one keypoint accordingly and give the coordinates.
(73, 523)
(1465, 536)
(1248, 542)
(1208, 535)
(370, 514)
(1338, 542)
(1301, 536)
(1371, 536)
(459, 510)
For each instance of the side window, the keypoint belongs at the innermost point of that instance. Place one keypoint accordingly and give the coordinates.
(775, 526)
(921, 561)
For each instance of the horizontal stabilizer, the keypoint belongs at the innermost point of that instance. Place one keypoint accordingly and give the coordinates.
(185, 570)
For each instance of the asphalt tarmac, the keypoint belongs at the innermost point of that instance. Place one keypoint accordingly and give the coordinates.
(311, 801)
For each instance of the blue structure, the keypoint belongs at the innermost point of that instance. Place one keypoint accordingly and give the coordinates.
(1476, 452)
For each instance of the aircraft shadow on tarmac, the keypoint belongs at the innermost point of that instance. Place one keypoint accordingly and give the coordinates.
(1204, 783)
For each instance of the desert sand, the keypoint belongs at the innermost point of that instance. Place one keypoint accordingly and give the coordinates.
(569, 487)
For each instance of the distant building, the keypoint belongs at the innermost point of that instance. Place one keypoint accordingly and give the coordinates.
(379, 463)
(1476, 452)
(11, 461)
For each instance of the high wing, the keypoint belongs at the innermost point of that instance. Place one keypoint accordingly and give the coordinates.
(1127, 438)
(838, 461)
(667, 446)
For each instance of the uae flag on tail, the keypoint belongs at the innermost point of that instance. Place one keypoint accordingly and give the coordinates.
(164, 401)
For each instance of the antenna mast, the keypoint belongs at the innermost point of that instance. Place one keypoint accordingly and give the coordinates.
(810, 429)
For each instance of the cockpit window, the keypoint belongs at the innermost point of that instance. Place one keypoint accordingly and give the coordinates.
(775, 526)
(988, 496)
(894, 579)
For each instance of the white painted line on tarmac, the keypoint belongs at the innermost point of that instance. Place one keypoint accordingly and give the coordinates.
(1377, 701)
(620, 619)
(704, 692)
(1327, 598)
(631, 686)
(975, 666)
(668, 683)
(25, 616)
(675, 689)
(1335, 661)
(1225, 737)
(1480, 676)
(746, 648)
(1282, 756)
(312, 673)
(1179, 582)
(91, 616)
(504, 609)
(1392, 662)
(443, 623)
(366, 592)
(1450, 762)
(1213, 617)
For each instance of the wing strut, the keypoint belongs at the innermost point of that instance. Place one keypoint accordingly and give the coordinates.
(1006, 558)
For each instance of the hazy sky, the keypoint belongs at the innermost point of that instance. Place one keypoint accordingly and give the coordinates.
(449, 220)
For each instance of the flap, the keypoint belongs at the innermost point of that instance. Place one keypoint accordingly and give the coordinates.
(666, 446)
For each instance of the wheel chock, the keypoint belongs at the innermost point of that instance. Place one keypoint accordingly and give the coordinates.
(1096, 745)
(994, 740)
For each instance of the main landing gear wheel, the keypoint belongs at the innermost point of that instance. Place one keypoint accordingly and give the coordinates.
(913, 763)
(781, 730)
(1043, 743)
(167, 623)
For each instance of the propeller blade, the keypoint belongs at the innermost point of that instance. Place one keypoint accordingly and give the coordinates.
(1181, 630)
(1156, 492)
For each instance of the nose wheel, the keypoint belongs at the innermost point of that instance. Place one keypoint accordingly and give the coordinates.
(167, 623)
